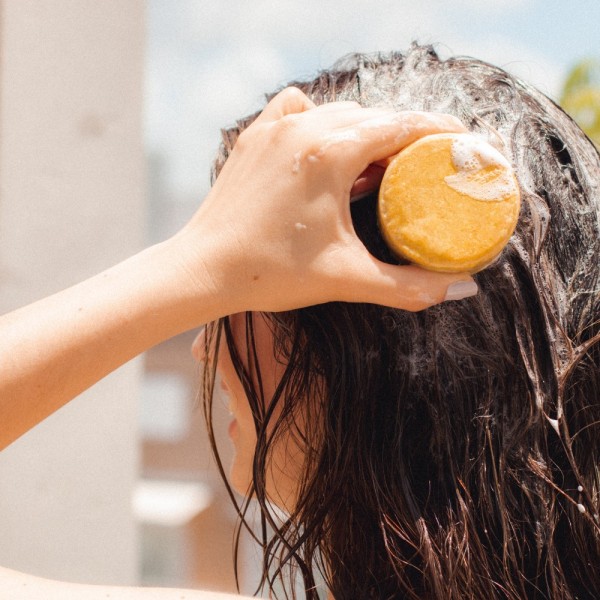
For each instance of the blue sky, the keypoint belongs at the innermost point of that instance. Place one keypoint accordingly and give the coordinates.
(210, 62)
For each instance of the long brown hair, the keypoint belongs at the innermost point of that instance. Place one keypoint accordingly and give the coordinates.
(451, 453)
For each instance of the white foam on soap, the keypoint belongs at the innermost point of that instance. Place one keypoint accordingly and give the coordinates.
(471, 155)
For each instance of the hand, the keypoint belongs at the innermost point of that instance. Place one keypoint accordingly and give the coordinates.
(275, 231)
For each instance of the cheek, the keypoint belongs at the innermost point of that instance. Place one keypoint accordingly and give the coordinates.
(286, 456)
(285, 471)
(240, 474)
(284, 465)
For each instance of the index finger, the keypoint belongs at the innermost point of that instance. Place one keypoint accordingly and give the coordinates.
(379, 138)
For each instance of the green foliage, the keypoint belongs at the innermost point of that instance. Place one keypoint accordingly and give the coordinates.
(581, 97)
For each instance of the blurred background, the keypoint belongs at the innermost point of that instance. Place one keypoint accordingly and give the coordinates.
(110, 114)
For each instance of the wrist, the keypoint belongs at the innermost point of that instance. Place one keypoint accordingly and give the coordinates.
(197, 278)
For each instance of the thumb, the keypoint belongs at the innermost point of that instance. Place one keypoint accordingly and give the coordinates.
(406, 287)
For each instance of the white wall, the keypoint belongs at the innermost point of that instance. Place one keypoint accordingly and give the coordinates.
(71, 204)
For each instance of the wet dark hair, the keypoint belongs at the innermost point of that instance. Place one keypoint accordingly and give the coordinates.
(451, 453)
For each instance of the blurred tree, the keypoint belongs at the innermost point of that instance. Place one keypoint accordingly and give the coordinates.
(580, 97)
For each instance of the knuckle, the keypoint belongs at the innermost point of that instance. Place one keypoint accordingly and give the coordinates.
(418, 306)
(447, 120)
(458, 123)
(244, 139)
(329, 149)
(343, 104)
(287, 126)
(293, 93)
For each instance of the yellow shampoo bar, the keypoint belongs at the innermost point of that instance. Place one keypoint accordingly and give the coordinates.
(449, 202)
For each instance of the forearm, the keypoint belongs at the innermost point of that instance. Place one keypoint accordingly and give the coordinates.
(20, 586)
(52, 350)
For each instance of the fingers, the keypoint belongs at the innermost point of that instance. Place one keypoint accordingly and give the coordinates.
(369, 134)
(289, 101)
(340, 119)
(338, 105)
(348, 140)
(407, 287)
(378, 138)
(368, 181)
(330, 115)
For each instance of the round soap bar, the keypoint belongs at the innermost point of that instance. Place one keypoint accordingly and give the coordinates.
(448, 202)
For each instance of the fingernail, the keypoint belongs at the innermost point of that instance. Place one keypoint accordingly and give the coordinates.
(460, 289)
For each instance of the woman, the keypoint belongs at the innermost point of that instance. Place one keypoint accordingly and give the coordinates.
(448, 453)
(273, 234)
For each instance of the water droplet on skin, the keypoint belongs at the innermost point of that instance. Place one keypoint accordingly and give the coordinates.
(296, 165)
(300, 226)
(339, 137)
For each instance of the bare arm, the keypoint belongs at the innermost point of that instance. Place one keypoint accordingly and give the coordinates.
(273, 234)
(54, 349)
(19, 586)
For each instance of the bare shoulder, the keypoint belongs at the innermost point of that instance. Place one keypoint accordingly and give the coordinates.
(21, 586)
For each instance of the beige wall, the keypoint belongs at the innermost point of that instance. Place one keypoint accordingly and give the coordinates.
(71, 203)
